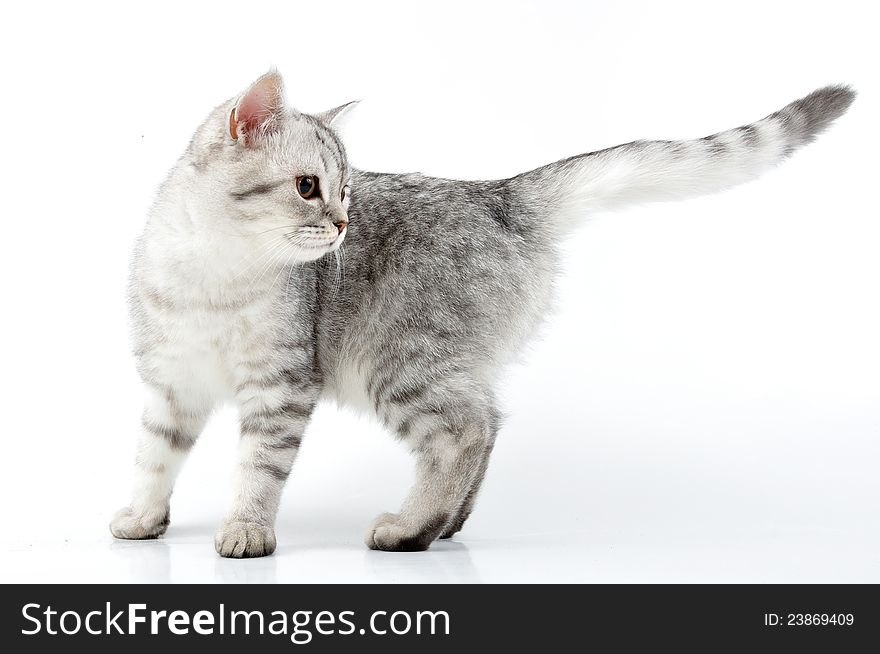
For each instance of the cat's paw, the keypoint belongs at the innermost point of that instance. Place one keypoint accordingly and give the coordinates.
(129, 525)
(455, 526)
(391, 533)
(243, 540)
(449, 532)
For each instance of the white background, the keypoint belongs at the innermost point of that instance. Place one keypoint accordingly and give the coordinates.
(704, 406)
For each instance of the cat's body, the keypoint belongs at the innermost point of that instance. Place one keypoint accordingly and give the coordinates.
(437, 287)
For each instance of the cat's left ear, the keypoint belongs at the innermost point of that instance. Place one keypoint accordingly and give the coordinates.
(334, 116)
(258, 110)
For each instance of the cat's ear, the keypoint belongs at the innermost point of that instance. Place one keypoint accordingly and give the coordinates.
(258, 110)
(333, 116)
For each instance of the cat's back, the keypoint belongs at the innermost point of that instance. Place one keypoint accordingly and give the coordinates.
(433, 265)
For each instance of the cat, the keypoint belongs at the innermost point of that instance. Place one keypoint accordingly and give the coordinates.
(237, 295)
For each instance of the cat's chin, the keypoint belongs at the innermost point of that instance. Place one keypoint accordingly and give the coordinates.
(335, 245)
(313, 253)
(306, 253)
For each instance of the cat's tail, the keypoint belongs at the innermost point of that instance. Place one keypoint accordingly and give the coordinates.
(651, 171)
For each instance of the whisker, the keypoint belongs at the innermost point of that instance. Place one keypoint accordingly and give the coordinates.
(272, 229)
(293, 253)
(263, 252)
(268, 265)
(289, 277)
(342, 266)
(336, 276)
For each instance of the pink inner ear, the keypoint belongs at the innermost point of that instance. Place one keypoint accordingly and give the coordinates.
(260, 103)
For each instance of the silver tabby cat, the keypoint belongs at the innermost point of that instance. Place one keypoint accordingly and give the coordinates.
(236, 296)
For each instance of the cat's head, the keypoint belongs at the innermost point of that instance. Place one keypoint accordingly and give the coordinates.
(269, 174)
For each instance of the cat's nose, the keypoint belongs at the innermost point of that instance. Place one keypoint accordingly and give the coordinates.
(340, 225)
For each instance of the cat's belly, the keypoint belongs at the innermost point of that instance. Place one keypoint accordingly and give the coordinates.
(347, 386)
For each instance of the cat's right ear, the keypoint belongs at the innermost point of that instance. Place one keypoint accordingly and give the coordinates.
(257, 112)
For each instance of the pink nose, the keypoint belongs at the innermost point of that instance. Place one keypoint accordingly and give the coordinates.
(341, 225)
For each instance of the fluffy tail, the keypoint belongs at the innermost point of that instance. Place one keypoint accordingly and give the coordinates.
(651, 171)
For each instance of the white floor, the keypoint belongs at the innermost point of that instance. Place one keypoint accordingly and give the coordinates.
(186, 556)
(726, 494)
(674, 550)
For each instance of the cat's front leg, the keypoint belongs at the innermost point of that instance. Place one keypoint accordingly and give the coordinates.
(170, 426)
(274, 413)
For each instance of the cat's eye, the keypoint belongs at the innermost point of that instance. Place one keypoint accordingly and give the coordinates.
(343, 194)
(307, 186)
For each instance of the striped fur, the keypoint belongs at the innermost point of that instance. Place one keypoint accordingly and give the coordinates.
(651, 171)
(234, 298)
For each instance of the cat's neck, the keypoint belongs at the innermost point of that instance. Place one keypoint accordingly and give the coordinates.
(181, 255)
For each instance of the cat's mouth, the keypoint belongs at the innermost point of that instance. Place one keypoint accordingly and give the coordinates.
(318, 248)
(314, 247)
(338, 240)
(314, 243)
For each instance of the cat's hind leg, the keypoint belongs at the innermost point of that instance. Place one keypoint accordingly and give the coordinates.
(170, 426)
(450, 445)
(454, 526)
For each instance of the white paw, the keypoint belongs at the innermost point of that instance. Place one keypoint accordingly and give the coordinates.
(129, 525)
(240, 540)
(391, 533)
